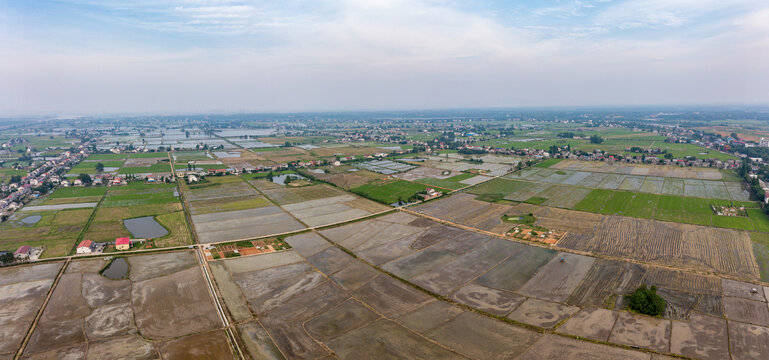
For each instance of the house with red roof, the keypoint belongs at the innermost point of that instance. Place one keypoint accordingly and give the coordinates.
(85, 247)
(122, 243)
(22, 253)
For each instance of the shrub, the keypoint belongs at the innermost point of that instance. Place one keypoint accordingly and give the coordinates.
(646, 301)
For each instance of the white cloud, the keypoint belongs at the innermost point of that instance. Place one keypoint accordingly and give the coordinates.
(394, 54)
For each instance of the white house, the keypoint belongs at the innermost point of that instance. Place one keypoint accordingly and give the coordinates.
(85, 247)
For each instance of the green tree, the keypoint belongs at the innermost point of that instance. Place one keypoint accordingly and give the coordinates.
(6, 258)
(85, 178)
(595, 139)
(647, 301)
(99, 167)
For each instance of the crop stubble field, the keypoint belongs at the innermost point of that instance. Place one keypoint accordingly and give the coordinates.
(703, 248)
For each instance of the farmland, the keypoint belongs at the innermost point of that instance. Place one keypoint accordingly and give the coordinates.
(388, 191)
(315, 298)
(229, 208)
(23, 290)
(346, 177)
(710, 249)
(321, 204)
(532, 263)
(450, 183)
(639, 169)
(140, 200)
(108, 318)
(675, 208)
(57, 230)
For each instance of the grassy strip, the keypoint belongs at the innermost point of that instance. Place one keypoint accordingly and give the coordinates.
(548, 163)
(761, 252)
(87, 225)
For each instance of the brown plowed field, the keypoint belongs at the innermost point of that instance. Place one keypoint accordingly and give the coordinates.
(703, 248)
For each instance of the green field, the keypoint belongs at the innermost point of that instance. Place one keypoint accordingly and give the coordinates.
(90, 166)
(107, 157)
(496, 189)
(74, 192)
(139, 199)
(761, 252)
(190, 156)
(5, 174)
(154, 168)
(388, 192)
(674, 208)
(615, 142)
(150, 155)
(452, 183)
(56, 230)
(548, 163)
(535, 200)
(760, 219)
(263, 149)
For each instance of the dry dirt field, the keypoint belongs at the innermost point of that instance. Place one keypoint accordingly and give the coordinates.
(158, 310)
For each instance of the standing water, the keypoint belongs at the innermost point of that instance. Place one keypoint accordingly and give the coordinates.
(145, 227)
(117, 269)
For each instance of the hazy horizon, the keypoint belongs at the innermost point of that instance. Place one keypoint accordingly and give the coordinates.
(88, 57)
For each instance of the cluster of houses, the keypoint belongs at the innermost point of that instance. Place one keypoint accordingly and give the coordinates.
(91, 247)
(33, 253)
(21, 192)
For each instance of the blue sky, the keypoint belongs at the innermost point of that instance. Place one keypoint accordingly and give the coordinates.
(92, 56)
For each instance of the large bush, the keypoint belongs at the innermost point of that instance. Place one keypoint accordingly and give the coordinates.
(646, 301)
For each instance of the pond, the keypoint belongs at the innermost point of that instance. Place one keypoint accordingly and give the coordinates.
(32, 219)
(117, 269)
(145, 227)
(281, 179)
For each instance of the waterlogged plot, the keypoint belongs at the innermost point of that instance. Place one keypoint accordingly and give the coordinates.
(462, 208)
(653, 185)
(640, 169)
(563, 196)
(632, 183)
(163, 298)
(737, 192)
(612, 181)
(22, 291)
(557, 347)
(593, 180)
(558, 279)
(321, 204)
(302, 314)
(243, 224)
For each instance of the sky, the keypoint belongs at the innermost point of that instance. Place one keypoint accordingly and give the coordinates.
(90, 57)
